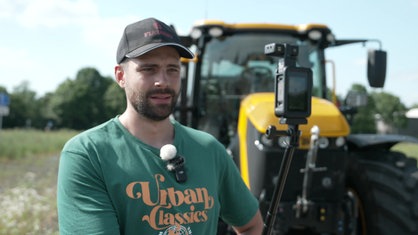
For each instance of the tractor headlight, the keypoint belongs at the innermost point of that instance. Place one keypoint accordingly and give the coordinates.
(315, 35)
(283, 141)
(323, 142)
(215, 32)
(266, 141)
(340, 141)
(331, 38)
(196, 33)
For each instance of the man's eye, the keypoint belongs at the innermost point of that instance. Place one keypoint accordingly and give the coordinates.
(147, 69)
(174, 70)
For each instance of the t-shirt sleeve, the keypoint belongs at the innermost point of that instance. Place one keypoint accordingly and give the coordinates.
(84, 206)
(238, 204)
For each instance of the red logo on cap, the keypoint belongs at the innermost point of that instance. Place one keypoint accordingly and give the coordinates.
(158, 31)
(157, 26)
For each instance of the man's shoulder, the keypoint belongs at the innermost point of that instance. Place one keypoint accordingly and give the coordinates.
(98, 134)
(195, 133)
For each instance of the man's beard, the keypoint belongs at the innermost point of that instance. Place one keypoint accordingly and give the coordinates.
(157, 112)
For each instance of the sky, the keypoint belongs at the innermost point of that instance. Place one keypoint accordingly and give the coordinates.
(45, 42)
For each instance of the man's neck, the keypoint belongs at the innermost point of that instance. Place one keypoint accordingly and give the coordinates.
(154, 133)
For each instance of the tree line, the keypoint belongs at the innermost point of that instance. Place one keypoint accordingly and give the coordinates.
(382, 106)
(90, 99)
(77, 104)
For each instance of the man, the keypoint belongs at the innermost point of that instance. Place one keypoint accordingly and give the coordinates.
(112, 179)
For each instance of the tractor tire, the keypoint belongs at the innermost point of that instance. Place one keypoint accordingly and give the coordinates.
(386, 187)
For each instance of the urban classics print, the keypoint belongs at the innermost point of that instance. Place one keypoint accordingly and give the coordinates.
(166, 203)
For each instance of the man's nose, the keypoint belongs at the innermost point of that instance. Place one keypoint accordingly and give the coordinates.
(161, 80)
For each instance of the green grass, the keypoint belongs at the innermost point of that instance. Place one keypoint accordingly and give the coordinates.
(409, 149)
(28, 172)
(22, 143)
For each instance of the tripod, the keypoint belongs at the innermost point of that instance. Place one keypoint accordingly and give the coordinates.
(294, 133)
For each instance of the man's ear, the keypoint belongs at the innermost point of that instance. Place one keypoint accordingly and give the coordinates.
(119, 75)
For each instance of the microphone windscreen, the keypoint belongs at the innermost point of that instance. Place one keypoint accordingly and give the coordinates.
(168, 152)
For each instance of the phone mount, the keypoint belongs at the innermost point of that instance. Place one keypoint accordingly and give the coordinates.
(293, 95)
(293, 85)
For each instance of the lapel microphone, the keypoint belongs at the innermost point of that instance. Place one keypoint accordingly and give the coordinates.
(174, 162)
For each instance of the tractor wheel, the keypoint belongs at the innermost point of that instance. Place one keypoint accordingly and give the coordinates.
(385, 185)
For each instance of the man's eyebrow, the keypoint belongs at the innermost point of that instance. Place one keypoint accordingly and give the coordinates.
(147, 65)
(174, 65)
(154, 65)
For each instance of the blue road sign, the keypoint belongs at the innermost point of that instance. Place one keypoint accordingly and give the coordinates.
(4, 99)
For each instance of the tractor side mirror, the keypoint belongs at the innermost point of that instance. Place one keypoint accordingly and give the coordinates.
(356, 99)
(376, 68)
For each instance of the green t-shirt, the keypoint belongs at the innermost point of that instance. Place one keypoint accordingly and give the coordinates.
(109, 182)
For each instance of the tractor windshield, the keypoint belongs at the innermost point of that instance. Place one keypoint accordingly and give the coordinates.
(235, 66)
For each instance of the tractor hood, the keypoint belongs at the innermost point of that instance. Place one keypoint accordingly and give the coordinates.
(259, 109)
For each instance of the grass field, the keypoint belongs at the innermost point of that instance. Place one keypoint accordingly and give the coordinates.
(28, 170)
(408, 149)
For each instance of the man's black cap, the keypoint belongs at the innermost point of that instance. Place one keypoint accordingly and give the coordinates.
(143, 36)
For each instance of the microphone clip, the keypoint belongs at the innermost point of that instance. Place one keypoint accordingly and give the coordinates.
(177, 165)
(174, 162)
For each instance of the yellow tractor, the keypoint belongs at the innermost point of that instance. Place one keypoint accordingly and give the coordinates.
(337, 182)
